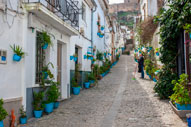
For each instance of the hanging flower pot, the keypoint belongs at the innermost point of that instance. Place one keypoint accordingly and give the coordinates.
(45, 74)
(190, 35)
(71, 57)
(98, 23)
(16, 58)
(75, 59)
(3, 58)
(102, 27)
(98, 33)
(154, 79)
(45, 46)
(85, 56)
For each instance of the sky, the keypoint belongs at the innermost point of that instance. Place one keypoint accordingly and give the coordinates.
(115, 1)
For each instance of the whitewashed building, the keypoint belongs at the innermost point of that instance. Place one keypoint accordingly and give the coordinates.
(21, 23)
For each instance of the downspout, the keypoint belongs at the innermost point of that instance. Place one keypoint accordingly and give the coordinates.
(92, 13)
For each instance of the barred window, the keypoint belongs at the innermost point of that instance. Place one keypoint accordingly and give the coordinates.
(39, 58)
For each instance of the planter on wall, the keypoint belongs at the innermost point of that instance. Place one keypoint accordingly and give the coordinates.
(183, 107)
(45, 74)
(71, 57)
(157, 53)
(75, 59)
(45, 46)
(16, 58)
(85, 56)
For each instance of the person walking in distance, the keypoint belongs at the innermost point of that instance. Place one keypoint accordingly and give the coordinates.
(141, 65)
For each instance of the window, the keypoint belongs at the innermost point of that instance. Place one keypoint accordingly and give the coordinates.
(39, 58)
(83, 12)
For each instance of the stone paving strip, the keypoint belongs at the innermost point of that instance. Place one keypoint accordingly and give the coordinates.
(117, 101)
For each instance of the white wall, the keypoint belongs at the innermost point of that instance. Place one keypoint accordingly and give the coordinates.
(97, 41)
(82, 42)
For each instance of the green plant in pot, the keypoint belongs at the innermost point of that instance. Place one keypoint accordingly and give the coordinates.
(181, 97)
(46, 71)
(3, 113)
(18, 52)
(38, 104)
(87, 83)
(99, 55)
(91, 78)
(75, 86)
(52, 96)
(23, 116)
(45, 40)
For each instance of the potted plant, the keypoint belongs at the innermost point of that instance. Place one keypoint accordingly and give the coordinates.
(45, 40)
(3, 113)
(87, 83)
(91, 78)
(46, 71)
(18, 53)
(37, 104)
(75, 87)
(23, 116)
(75, 57)
(181, 97)
(93, 61)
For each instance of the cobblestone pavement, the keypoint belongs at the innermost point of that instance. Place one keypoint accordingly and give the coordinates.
(117, 101)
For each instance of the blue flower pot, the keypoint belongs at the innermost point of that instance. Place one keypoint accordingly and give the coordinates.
(1, 123)
(16, 58)
(92, 81)
(49, 107)
(23, 120)
(183, 107)
(190, 35)
(56, 104)
(87, 85)
(45, 46)
(75, 59)
(3, 58)
(71, 57)
(45, 74)
(147, 73)
(98, 34)
(150, 77)
(189, 122)
(157, 53)
(76, 90)
(89, 53)
(91, 58)
(85, 56)
(38, 114)
(154, 79)
(101, 36)
(102, 75)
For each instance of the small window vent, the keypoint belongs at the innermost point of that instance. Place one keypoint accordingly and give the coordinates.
(3, 56)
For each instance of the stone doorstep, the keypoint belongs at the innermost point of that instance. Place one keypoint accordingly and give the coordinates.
(180, 113)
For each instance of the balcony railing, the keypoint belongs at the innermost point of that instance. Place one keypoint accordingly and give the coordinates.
(67, 10)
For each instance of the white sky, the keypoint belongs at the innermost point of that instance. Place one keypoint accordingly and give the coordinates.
(115, 1)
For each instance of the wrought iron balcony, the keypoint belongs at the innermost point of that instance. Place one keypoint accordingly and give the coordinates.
(67, 10)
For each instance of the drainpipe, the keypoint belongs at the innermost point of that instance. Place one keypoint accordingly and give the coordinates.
(92, 13)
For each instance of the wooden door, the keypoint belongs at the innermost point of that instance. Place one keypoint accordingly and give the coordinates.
(59, 62)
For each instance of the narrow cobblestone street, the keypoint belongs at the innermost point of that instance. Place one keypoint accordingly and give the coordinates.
(117, 101)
